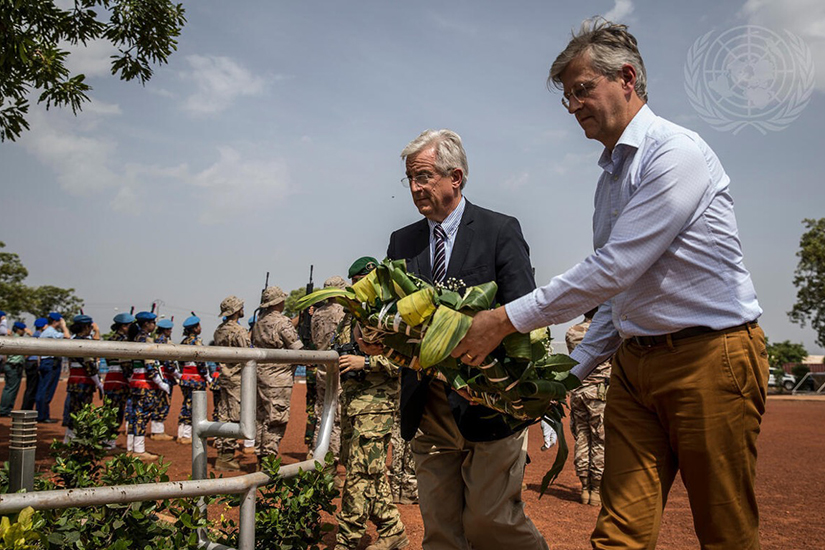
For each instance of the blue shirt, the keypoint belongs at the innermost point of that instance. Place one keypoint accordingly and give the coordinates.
(50, 332)
(450, 225)
(667, 250)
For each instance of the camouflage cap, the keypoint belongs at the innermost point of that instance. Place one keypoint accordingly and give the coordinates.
(362, 266)
(335, 282)
(230, 306)
(272, 296)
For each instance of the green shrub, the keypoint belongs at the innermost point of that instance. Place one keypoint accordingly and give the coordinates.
(288, 512)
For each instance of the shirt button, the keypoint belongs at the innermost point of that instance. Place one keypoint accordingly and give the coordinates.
(615, 177)
(615, 213)
(624, 317)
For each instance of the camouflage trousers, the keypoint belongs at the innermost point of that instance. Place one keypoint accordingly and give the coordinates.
(185, 415)
(587, 425)
(119, 399)
(320, 395)
(76, 397)
(403, 483)
(162, 399)
(366, 490)
(143, 403)
(312, 420)
(228, 409)
(274, 396)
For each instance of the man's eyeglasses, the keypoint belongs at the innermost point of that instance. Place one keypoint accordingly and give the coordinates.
(580, 92)
(421, 179)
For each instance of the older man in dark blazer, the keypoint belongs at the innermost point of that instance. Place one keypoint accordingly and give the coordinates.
(469, 462)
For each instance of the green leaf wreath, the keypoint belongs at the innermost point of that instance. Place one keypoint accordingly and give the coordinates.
(419, 325)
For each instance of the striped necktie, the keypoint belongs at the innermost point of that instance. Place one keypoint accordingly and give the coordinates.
(440, 256)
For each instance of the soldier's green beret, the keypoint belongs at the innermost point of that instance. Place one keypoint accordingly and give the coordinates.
(362, 266)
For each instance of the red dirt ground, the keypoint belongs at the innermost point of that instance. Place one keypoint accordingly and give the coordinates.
(790, 484)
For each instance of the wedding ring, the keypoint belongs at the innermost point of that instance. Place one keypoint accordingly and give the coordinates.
(468, 356)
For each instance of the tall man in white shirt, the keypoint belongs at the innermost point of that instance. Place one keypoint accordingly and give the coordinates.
(676, 306)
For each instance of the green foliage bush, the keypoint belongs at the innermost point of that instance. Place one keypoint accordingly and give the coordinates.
(288, 512)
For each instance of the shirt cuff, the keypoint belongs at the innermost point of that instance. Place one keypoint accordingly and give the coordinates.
(525, 313)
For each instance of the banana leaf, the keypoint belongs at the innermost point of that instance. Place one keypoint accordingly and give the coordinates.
(365, 289)
(446, 330)
(478, 298)
(517, 345)
(403, 281)
(418, 307)
(323, 294)
(556, 362)
(553, 417)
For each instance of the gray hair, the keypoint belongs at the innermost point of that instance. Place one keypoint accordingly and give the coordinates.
(609, 46)
(449, 152)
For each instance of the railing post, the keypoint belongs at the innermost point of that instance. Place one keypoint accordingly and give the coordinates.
(21, 450)
(199, 447)
(246, 529)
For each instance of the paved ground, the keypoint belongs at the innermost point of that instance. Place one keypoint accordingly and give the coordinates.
(790, 484)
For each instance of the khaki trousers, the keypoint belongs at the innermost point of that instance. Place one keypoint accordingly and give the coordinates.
(469, 492)
(694, 406)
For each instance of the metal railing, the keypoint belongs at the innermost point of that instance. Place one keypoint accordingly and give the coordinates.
(199, 485)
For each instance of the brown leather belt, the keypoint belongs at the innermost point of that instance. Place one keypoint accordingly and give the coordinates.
(651, 341)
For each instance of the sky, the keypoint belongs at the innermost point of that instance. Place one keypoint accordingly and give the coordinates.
(271, 140)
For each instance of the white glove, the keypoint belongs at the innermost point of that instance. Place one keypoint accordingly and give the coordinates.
(550, 436)
(161, 384)
(98, 383)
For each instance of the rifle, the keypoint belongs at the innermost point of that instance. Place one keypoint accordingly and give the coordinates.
(258, 309)
(305, 318)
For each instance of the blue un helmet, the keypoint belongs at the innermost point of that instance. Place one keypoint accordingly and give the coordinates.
(124, 318)
(191, 321)
(144, 316)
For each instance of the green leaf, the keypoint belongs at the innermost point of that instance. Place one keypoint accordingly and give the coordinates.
(518, 345)
(446, 330)
(478, 298)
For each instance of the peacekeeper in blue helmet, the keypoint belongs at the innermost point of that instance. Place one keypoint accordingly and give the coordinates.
(168, 371)
(116, 381)
(143, 383)
(193, 378)
(83, 374)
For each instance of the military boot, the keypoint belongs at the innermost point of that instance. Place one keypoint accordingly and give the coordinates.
(585, 497)
(390, 543)
(595, 495)
(227, 462)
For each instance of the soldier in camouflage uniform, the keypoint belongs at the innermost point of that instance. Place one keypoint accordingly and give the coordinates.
(167, 372)
(587, 419)
(143, 383)
(193, 378)
(230, 333)
(369, 392)
(83, 374)
(273, 330)
(325, 320)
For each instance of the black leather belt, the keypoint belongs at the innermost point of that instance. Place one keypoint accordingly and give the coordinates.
(651, 341)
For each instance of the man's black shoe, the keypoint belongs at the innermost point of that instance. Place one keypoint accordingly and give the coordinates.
(48, 421)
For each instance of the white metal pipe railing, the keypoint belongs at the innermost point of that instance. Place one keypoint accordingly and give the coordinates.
(199, 486)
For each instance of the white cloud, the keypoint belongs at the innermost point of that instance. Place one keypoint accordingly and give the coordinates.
(80, 162)
(804, 18)
(621, 11)
(517, 181)
(93, 59)
(236, 185)
(219, 81)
